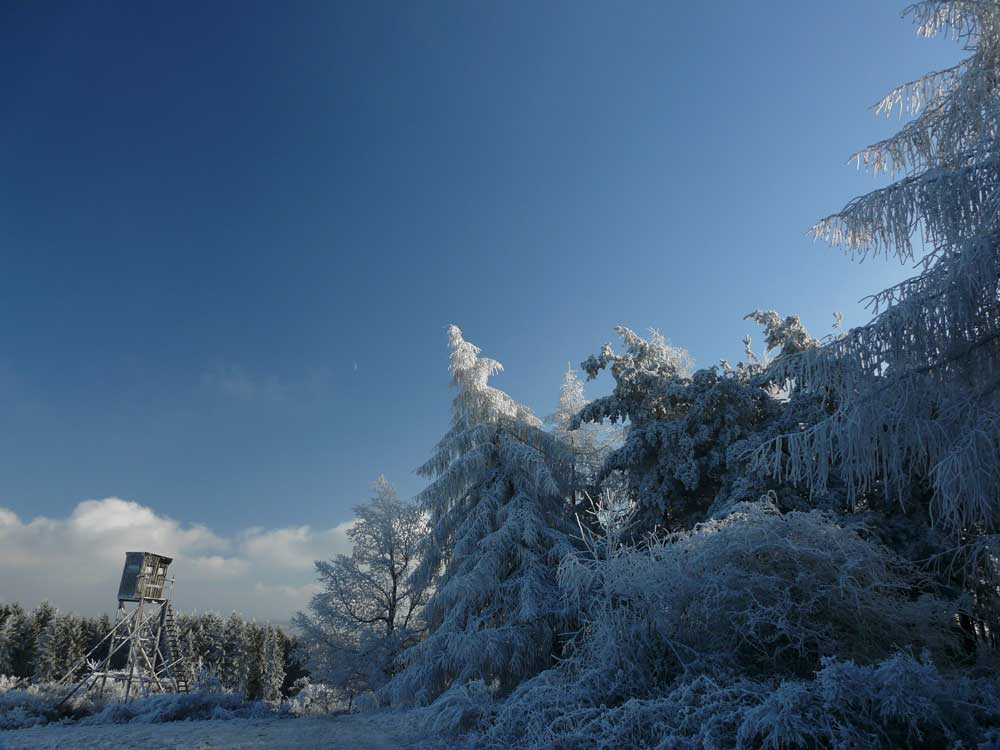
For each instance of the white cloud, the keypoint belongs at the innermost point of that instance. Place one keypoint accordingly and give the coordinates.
(75, 562)
(218, 568)
(293, 548)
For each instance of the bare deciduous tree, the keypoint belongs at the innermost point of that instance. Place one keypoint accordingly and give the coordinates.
(369, 608)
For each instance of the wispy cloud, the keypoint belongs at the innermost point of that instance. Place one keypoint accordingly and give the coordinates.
(76, 561)
(235, 381)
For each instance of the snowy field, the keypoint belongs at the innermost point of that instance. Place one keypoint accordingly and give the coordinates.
(382, 731)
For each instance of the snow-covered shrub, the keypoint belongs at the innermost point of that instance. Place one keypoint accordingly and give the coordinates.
(207, 680)
(900, 702)
(555, 711)
(315, 699)
(368, 702)
(757, 592)
(686, 637)
(31, 705)
(459, 709)
(42, 704)
(193, 706)
(28, 705)
(21, 708)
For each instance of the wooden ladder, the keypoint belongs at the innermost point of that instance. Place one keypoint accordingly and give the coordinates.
(174, 657)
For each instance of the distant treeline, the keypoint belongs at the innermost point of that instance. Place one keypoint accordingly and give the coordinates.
(254, 660)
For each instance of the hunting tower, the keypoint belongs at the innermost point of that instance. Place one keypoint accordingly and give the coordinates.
(144, 633)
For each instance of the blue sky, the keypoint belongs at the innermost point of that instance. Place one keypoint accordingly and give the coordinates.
(233, 234)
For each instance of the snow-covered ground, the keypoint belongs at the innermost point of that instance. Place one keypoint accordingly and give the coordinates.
(377, 731)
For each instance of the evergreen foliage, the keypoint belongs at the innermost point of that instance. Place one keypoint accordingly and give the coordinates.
(246, 658)
(588, 444)
(913, 399)
(685, 452)
(272, 665)
(234, 670)
(498, 528)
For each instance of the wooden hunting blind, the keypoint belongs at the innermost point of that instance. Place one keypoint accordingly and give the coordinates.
(145, 633)
(144, 577)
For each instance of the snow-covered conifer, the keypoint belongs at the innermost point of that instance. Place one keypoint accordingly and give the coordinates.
(234, 668)
(684, 451)
(59, 646)
(913, 394)
(205, 637)
(498, 520)
(589, 443)
(46, 656)
(273, 675)
(7, 646)
(20, 642)
(93, 630)
(71, 644)
(41, 617)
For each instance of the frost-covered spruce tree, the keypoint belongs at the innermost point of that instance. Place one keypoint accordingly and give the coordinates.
(499, 522)
(589, 444)
(683, 456)
(45, 653)
(94, 629)
(914, 393)
(204, 641)
(253, 637)
(20, 642)
(234, 669)
(41, 617)
(70, 643)
(273, 673)
(58, 647)
(7, 647)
